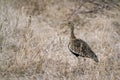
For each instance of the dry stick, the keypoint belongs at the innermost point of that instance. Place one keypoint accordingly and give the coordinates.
(74, 12)
(113, 4)
(71, 15)
(100, 7)
(25, 35)
(116, 5)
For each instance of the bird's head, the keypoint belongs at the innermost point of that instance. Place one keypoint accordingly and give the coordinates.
(67, 25)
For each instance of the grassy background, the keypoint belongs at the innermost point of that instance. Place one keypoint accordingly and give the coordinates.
(35, 48)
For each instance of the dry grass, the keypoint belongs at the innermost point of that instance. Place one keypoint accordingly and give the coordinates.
(35, 48)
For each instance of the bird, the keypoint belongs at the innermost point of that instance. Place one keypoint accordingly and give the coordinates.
(79, 47)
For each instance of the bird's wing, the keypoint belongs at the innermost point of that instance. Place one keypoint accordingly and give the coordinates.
(76, 47)
(86, 49)
(82, 48)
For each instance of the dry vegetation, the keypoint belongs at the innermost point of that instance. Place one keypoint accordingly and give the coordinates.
(33, 39)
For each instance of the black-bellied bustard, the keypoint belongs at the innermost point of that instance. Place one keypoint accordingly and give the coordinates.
(79, 47)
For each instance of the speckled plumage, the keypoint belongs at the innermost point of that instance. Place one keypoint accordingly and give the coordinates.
(79, 47)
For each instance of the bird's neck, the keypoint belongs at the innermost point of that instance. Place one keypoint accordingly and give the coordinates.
(72, 37)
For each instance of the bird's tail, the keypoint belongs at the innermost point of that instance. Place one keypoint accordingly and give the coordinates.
(96, 59)
(94, 56)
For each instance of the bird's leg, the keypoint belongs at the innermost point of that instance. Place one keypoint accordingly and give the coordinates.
(79, 61)
(84, 59)
(66, 67)
(81, 66)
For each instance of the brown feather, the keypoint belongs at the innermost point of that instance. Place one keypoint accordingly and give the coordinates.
(79, 47)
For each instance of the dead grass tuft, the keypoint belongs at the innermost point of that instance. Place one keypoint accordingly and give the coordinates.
(33, 40)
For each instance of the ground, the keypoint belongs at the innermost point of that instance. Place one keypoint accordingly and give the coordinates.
(34, 40)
